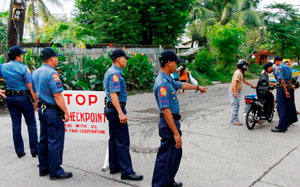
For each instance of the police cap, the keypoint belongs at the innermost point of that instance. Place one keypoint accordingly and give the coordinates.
(48, 52)
(167, 55)
(118, 53)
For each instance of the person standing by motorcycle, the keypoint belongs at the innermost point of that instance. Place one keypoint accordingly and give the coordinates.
(262, 89)
(284, 78)
(235, 90)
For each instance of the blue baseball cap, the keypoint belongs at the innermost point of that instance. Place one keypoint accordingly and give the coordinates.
(167, 55)
(15, 51)
(48, 52)
(118, 53)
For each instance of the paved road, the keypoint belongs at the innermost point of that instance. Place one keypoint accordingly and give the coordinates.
(215, 153)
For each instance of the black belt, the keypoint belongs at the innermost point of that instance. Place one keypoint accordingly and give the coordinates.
(175, 116)
(16, 92)
(110, 105)
(44, 106)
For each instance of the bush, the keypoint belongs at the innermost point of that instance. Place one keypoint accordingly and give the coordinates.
(203, 80)
(204, 62)
(255, 69)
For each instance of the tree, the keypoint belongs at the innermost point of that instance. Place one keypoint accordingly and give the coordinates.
(15, 27)
(283, 23)
(209, 12)
(137, 22)
(38, 9)
(226, 41)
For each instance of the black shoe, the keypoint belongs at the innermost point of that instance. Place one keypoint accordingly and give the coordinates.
(177, 184)
(21, 154)
(114, 171)
(133, 177)
(65, 175)
(34, 155)
(277, 130)
(42, 174)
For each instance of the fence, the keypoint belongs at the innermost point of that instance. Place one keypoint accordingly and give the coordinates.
(98, 50)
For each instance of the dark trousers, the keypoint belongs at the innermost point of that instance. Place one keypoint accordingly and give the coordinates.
(119, 143)
(18, 105)
(269, 103)
(51, 143)
(292, 108)
(282, 109)
(168, 158)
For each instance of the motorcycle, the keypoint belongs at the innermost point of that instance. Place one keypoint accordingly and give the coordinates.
(255, 113)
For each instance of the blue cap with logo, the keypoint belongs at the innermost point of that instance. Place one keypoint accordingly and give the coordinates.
(167, 55)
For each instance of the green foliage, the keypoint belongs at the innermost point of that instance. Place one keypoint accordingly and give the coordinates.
(134, 22)
(204, 62)
(3, 29)
(66, 32)
(226, 41)
(255, 69)
(283, 23)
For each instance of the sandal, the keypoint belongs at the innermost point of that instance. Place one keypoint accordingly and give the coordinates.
(238, 123)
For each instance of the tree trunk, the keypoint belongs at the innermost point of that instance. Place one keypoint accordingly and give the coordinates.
(15, 28)
(34, 21)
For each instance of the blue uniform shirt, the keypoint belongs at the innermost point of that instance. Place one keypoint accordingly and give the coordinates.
(46, 82)
(283, 72)
(165, 88)
(16, 75)
(115, 83)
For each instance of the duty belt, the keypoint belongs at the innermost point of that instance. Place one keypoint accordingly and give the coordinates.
(175, 116)
(110, 105)
(44, 106)
(16, 92)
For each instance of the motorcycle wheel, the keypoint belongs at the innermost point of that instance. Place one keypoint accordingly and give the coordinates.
(250, 119)
(270, 117)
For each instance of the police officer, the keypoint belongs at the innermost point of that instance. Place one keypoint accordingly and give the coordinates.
(115, 111)
(53, 113)
(284, 78)
(19, 99)
(170, 151)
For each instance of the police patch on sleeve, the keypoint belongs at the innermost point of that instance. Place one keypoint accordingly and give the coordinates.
(116, 78)
(163, 91)
(56, 77)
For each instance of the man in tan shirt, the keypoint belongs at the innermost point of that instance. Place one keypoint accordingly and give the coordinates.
(235, 90)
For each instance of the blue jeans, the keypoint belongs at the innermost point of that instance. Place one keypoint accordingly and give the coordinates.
(51, 144)
(18, 105)
(235, 103)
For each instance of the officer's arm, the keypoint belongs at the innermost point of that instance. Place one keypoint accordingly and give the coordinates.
(187, 86)
(34, 96)
(59, 100)
(171, 123)
(116, 102)
(2, 93)
(287, 94)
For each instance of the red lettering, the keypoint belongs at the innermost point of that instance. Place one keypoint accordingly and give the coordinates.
(87, 116)
(83, 99)
(82, 117)
(92, 101)
(68, 98)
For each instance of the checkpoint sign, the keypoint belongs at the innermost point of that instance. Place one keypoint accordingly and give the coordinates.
(87, 119)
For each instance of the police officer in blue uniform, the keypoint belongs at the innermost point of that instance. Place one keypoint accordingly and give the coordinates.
(47, 87)
(19, 99)
(284, 78)
(170, 151)
(115, 111)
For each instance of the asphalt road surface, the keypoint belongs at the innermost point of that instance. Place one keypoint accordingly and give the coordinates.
(215, 152)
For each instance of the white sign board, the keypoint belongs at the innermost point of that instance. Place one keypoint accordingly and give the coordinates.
(87, 119)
